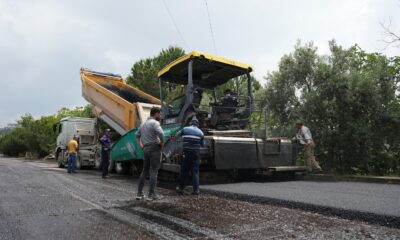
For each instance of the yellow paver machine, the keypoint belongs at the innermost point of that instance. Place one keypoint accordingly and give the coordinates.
(234, 142)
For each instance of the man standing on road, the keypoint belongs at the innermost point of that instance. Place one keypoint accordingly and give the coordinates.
(305, 137)
(150, 138)
(72, 154)
(192, 138)
(105, 152)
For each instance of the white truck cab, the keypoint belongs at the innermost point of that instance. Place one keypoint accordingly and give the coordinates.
(86, 130)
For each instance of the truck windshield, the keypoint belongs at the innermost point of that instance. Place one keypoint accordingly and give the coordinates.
(80, 126)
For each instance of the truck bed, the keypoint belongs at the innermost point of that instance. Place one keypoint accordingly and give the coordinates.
(120, 105)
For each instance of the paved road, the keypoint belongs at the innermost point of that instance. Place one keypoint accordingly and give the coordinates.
(40, 201)
(374, 198)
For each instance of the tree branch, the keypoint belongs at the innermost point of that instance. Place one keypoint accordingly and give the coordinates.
(391, 37)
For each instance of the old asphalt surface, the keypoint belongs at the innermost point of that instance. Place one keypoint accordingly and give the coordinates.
(40, 201)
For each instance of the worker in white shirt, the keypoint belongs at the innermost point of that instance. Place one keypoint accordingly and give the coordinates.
(305, 138)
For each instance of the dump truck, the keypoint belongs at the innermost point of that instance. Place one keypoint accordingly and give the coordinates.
(231, 142)
(86, 130)
(121, 106)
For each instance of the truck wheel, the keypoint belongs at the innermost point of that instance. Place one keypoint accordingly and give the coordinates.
(123, 167)
(97, 160)
(119, 168)
(78, 162)
(60, 159)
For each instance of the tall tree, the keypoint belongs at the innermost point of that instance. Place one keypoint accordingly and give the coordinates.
(144, 72)
(349, 98)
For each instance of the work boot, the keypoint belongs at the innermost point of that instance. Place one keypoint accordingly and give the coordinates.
(139, 196)
(154, 198)
(196, 193)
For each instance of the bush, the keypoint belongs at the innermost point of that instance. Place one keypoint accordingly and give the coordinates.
(37, 136)
(12, 145)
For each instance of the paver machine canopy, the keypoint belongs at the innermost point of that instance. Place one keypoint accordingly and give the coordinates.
(198, 72)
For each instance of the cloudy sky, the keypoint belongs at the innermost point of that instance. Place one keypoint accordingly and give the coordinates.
(44, 43)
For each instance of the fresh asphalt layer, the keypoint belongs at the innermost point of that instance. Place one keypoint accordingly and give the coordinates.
(371, 202)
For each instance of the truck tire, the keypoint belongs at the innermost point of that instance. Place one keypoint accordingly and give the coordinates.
(119, 168)
(97, 160)
(123, 167)
(60, 159)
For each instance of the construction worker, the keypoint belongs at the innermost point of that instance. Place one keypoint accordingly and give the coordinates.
(305, 138)
(197, 96)
(192, 138)
(150, 138)
(105, 152)
(72, 154)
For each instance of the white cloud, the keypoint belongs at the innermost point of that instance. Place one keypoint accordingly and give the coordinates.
(45, 43)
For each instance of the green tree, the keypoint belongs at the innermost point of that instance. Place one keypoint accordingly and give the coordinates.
(12, 144)
(144, 72)
(350, 100)
(86, 112)
(36, 135)
(239, 86)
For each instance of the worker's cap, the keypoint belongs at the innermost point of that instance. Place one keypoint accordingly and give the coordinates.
(194, 122)
(108, 130)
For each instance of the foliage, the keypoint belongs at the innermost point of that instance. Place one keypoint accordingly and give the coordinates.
(37, 136)
(144, 72)
(12, 144)
(349, 99)
(239, 86)
(86, 112)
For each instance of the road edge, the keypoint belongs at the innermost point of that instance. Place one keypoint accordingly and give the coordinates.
(349, 178)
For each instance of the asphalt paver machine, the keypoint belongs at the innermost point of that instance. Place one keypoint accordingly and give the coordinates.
(231, 142)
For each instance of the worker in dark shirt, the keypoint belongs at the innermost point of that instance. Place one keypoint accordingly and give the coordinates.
(105, 152)
(192, 138)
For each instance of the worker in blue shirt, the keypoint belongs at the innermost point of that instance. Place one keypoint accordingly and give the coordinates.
(192, 138)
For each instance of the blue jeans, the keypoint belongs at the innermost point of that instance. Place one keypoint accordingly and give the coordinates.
(71, 162)
(190, 162)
